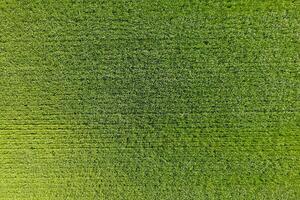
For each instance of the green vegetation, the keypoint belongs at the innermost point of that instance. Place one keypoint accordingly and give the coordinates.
(149, 99)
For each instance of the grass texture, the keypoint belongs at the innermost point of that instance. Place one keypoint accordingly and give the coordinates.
(149, 99)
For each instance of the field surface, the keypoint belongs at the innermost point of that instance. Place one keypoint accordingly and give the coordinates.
(149, 100)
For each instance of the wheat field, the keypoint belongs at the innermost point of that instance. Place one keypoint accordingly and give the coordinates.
(149, 100)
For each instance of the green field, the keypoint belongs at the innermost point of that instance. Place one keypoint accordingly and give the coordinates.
(149, 100)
